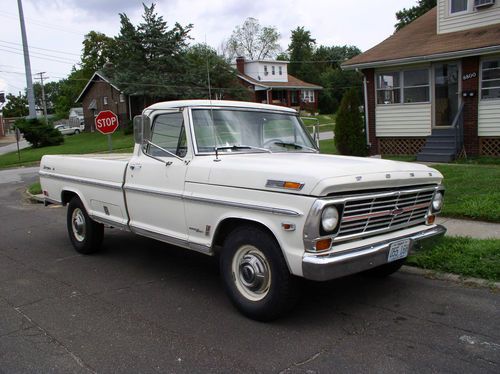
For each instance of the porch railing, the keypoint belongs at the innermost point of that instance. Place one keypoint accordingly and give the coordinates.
(458, 125)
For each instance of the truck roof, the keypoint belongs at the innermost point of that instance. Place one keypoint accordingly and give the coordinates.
(218, 103)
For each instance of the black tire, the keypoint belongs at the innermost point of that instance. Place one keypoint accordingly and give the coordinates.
(84, 233)
(248, 249)
(385, 270)
(77, 132)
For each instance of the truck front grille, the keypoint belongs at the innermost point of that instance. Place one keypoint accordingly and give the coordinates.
(372, 214)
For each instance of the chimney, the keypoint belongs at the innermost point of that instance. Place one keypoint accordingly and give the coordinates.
(240, 64)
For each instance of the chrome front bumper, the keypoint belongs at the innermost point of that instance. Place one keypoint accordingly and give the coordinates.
(335, 265)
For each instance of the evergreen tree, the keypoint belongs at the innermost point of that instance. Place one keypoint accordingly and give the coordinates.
(301, 50)
(350, 138)
(406, 16)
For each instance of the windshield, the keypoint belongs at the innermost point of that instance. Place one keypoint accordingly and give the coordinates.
(226, 130)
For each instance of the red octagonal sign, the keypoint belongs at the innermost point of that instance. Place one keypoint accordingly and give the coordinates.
(106, 122)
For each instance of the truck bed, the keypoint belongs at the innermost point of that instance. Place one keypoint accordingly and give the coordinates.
(96, 178)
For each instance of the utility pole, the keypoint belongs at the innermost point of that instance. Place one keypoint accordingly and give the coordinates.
(44, 101)
(27, 65)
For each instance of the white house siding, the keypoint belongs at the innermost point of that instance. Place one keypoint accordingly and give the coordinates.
(489, 118)
(406, 120)
(255, 69)
(467, 20)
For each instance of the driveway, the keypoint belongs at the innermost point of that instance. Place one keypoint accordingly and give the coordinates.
(143, 306)
(12, 147)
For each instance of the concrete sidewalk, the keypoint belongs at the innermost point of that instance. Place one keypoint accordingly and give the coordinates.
(474, 229)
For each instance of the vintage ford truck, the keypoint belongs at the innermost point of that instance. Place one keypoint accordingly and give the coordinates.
(245, 182)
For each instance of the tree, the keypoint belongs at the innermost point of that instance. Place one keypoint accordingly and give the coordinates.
(253, 41)
(301, 50)
(349, 130)
(69, 89)
(406, 16)
(150, 58)
(224, 82)
(52, 92)
(17, 106)
(97, 50)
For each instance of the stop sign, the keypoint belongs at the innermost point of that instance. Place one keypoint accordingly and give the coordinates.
(106, 122)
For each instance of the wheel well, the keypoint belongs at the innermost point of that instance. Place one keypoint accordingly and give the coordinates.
(66, 196)
(228, 225)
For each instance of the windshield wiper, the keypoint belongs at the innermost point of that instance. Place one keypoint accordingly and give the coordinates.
(295, 145)
(236, 147)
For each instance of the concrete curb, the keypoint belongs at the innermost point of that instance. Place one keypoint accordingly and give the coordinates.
(433, 274)
(35, 198)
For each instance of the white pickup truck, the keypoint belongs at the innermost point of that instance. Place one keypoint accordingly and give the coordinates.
(245, 182)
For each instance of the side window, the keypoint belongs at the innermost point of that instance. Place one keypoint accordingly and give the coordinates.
(168, 133)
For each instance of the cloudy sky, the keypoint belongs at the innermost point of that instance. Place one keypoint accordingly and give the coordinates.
(56, 28)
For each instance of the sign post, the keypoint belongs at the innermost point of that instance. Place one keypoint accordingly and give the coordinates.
(18, 137)
(106, 122)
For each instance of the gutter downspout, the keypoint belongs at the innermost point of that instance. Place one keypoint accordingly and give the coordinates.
(367, 129)
(267, 94)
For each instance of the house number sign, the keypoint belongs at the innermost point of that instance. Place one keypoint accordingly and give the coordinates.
(469, 76)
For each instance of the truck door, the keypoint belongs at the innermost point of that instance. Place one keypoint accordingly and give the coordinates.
(154, 182)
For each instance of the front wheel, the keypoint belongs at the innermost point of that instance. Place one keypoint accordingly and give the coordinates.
(85, 234)
(255, 274)
(77, 132)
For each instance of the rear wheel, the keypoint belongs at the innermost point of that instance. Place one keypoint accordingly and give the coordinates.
(85, 234)
(255, 274)
(77, 132)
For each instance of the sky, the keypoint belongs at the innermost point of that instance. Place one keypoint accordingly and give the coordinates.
(55, 28)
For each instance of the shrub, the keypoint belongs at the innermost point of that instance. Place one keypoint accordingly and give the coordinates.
(128, 127)
(38, 133)
(350, 137)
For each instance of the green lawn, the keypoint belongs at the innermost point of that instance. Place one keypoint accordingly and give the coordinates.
(327, 147)
(76, 144)
(326, 121)
(464, 256)
(472, 191)
(35, 188)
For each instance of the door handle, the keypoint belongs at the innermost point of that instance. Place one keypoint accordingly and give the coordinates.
(135, 166)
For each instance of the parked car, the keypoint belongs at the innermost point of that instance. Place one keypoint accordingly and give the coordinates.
(245, 182)
(70, 130)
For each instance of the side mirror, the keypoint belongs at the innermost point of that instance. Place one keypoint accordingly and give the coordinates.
(142, 129)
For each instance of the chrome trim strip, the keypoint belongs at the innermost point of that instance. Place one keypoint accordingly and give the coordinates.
(88, 181)
(173, 241)
(335, 265)
(109, 222)
(278, 211)
(153, 192)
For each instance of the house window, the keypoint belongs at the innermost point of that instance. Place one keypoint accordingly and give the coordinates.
(265, 70)
(280, 70)
(388, 88)
(273, 70)
(490, 79)
(308, 96)
(457, 6)
(407, 86)
(122, 97)
(105, 100)
(416, 86)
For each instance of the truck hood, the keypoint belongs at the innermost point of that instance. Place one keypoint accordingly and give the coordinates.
(320, 174)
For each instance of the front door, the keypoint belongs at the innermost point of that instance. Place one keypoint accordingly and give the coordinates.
(446, 93)
(155, 182)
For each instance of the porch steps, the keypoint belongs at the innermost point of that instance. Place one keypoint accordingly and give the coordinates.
(439, 147)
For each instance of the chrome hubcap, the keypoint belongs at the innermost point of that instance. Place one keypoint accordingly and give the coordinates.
(251, 273)
(78, 224)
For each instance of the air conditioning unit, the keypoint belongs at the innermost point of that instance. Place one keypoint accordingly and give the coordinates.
(483, 3)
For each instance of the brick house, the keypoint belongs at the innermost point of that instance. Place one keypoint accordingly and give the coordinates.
(270, 83)
(433, 88)
(100, 93)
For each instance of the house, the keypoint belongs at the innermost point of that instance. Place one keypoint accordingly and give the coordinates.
(100, 93)
(76, 116)
(433, 88)
(270, 83)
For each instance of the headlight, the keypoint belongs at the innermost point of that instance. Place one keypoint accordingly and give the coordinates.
(437, 202)
(329, 218)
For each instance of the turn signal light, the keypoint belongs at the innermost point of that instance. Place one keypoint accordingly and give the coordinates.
(430, 219)
(292, 185)
(323, 244)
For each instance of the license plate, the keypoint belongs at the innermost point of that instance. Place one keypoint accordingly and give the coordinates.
(398, 250)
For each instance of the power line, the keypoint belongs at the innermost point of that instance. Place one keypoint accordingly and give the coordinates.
(42, 49)
(38, 53)
(39, 24)
(41, 58)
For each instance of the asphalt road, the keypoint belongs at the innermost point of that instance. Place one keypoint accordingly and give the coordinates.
(141, 306)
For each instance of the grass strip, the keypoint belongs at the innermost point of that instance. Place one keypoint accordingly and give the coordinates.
(478, 258)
